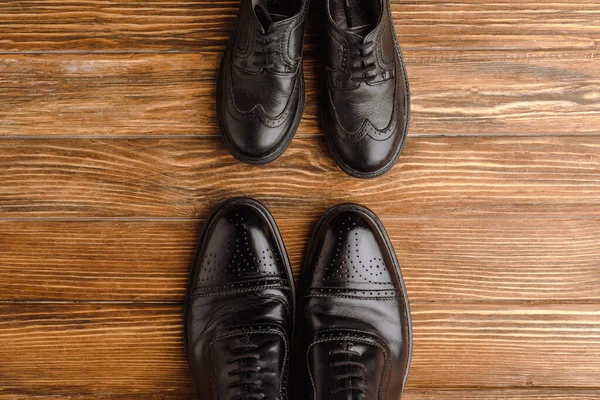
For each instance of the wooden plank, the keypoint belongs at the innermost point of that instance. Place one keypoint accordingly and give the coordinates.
(126, 349)
(66, 349)
(476, 345)
(459, 259)
(499, 93)
(453, 93)
(187, 25)
(502, 24)
(187, 177)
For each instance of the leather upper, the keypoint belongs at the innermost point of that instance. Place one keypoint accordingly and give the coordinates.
(355, 315)
(240, 306)
(366, 99)
(261, 84)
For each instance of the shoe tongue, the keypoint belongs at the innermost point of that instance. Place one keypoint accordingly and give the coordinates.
(265, 17)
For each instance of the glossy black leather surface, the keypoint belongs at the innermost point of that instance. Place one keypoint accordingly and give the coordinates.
(240, 306)
(261, 82)
(354, 314)
(366, 101)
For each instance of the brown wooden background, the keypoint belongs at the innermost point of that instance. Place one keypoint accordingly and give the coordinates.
(110, 161)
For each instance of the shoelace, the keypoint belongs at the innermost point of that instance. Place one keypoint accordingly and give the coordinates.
(353, 377)
(363, 62)
(244, 352)
(265, 41)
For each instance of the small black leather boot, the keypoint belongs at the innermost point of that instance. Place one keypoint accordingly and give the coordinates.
(366, 99)
(261, 81)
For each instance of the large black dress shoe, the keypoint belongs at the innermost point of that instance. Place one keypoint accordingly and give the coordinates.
(240, 306)
(261, 81)
(366, 102)
(355, 313)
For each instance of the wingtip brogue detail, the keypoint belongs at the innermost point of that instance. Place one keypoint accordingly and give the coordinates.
(367, 128)
(369, 151)
(240, 306)
(260, 91)
(355, 312)
(366, 110)
(258, 112)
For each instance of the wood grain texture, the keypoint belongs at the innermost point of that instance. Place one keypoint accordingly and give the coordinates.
(187, 25)
(458, 259)
(138, 349)
(186, 177)
(453, 93)
(110, 161)
(542, 345)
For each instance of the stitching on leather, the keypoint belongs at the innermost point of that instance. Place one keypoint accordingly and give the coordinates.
(253, 330)
(374, 298)
(325, 288)
(248, 49)
(253, 289)
(338, 75)
(208, 365)
(258, 112)
(264, 280)
(354, 293)
(379, 50)
(284, 73)
(367, 128)
(301, 20)
(388, 67)
(333, 75)
(388, 73)
(382, 61)
(374, 340)
(289, 32)
(310, 375)
(297, 23)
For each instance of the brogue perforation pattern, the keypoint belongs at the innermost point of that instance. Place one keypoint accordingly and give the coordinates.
(347, 265)
(238, 257)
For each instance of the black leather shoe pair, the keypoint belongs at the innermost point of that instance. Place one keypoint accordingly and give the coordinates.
(366, 98)
(240, 308)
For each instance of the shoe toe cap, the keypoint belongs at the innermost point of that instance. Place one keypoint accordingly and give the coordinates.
(352, 253)
(258, 128)
(240, 246)
(252, 141)
(367, 157)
